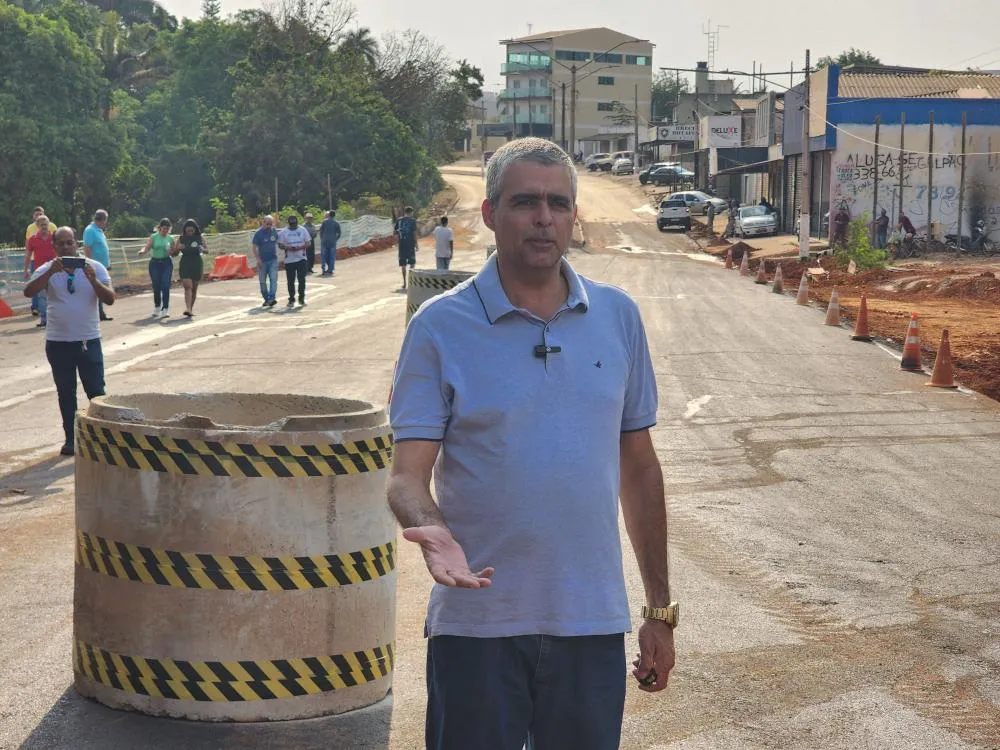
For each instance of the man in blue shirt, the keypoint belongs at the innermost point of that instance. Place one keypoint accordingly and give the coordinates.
(406, 233)
(527, 393)
(329, 236)
(265, 249)
(95, 246)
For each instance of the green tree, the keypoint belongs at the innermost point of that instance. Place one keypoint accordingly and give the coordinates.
(852, 56)
(361, 44)
(666, 91)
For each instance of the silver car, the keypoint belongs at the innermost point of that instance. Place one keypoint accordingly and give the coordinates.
(755, 220)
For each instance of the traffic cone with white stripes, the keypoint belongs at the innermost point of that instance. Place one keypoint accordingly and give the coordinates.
(729, 258)
(802, 298)
(833, 309)
(745, 263)
(943, 376)
(779, 281)
(761, 273)
(911, 348)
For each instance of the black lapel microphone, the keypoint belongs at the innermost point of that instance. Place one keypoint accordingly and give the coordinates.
(542, 351)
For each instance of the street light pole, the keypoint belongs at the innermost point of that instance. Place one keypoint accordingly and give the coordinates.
(562, 130)
(572, 109)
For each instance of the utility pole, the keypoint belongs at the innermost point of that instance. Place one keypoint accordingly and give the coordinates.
(930, 173)
(635, 119)
(562, 130)
(961, 182)
(329, 192)
(878, 127)
(277, 206)
(572, 109)
(902, 157)
(806, 172)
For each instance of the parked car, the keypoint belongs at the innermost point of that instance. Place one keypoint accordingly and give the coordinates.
(644, 173)
(698, 201)
(623, 166)
(601, 165)
(755, 220)
(671, 175)
(673, 212)
(623, 155)
(595, 157)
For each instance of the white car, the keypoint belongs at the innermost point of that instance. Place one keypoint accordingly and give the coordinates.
(623, 166)
(589, 161)
(697, 201)
(755, 220)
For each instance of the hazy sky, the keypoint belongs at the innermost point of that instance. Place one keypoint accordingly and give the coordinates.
(925, 33)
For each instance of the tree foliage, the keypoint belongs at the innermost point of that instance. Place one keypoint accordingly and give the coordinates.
(665, 92)
(852, 56)
(114, 104)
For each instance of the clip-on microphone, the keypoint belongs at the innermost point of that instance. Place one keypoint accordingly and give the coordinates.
(542, 351)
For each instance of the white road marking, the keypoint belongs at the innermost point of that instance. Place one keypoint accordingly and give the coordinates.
(645, 210)
(696, 405)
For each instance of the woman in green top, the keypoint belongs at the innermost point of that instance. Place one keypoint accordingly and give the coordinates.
(191, 246)
(161, 267)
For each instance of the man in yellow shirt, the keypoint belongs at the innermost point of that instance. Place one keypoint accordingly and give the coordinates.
(28, 233)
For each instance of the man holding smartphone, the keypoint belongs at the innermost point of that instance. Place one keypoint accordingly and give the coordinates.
(74, 286)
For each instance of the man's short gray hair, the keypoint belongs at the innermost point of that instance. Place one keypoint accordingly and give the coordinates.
(534, 150)
(100, 215)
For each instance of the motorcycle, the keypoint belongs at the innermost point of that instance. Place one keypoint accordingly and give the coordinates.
(979, 243)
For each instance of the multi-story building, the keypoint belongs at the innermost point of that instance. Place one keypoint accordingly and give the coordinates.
(613, 74)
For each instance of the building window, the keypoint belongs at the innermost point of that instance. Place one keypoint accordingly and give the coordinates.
(638, 60)
(605, 57)
(605, 107)
(516, 83)
(565, 54)
(543, 109)
(605, 80)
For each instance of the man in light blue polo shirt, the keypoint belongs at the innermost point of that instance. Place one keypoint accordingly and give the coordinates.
(528, 392)
(95, 246)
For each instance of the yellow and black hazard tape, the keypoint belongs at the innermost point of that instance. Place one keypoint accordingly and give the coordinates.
(431, 282)
(231, 681)
(193, 570)
(412, 308)
(136, 450)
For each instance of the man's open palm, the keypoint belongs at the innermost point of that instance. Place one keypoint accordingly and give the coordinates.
(445, 558)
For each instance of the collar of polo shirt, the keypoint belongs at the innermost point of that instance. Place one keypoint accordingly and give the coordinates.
(496, 303)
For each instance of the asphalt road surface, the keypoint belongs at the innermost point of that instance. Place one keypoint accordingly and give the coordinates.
(835, 525)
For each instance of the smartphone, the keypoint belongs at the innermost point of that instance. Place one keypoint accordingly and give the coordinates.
(73, 263)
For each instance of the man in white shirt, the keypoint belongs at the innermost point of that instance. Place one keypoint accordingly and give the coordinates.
(294, 240)
(444, 244)
(74, 286)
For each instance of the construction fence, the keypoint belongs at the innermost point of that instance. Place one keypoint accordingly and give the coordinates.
(128, 267)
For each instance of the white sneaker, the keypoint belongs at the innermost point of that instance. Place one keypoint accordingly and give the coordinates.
(164, 314)
(156, 312)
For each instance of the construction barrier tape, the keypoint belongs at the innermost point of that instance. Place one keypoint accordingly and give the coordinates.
(231, 681)
(191, 570)
(431, 282)
(411, 308)
(136, 450)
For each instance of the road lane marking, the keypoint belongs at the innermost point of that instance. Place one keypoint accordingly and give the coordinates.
(696, 405)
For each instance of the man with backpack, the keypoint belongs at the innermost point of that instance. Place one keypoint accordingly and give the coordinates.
(406, 232)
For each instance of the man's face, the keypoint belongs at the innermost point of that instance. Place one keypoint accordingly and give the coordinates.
(533, 220)
(35, 214)
(292, 223)
(65, 242)
(102, 223)
(43, 227)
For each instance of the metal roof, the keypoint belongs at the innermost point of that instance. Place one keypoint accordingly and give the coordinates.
(911, 86)
(745, 103)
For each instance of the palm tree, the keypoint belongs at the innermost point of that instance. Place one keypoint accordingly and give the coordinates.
(133, 12)
(361, 43)
(132, 56)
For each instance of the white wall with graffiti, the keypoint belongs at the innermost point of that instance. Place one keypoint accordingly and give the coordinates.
(854, 169)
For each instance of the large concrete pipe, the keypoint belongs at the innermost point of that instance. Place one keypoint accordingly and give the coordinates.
(235, 556)
(424, 284)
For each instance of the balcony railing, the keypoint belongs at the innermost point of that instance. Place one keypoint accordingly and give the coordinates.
(535, 92)
(523, 118)
(520, 67)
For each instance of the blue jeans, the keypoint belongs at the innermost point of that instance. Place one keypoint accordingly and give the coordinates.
(161, 273)
(41, 302)
(550, 692)
(881, 233)
(66, 358)
(328, 258)
(267, 273)
(443, 263)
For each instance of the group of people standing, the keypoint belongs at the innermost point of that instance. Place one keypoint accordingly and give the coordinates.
(298, 243)
(162, 248)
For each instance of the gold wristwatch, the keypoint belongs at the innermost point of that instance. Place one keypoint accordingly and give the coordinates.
(669, 614)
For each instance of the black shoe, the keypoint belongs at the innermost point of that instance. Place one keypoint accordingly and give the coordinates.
(107, 318)
(66, 450)
(39, 325)
(35, 312)
(291, 303)
(272, 302)
(302, 302)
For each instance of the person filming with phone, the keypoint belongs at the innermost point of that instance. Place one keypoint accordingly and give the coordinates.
(74, 286)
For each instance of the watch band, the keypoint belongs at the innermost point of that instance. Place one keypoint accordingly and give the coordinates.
(669, 614)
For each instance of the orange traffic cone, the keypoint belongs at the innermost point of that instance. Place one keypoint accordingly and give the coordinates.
(942, 376)
(729, 258)
(802, 298)
(861, 325)
(5, 311)
(833, 309)
(911, 349)
(745, 264)
(779, 281)
(761, 273)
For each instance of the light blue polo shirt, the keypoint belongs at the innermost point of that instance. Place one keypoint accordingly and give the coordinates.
(528, 474)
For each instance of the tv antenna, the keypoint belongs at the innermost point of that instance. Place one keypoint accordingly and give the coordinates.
(713, 42)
